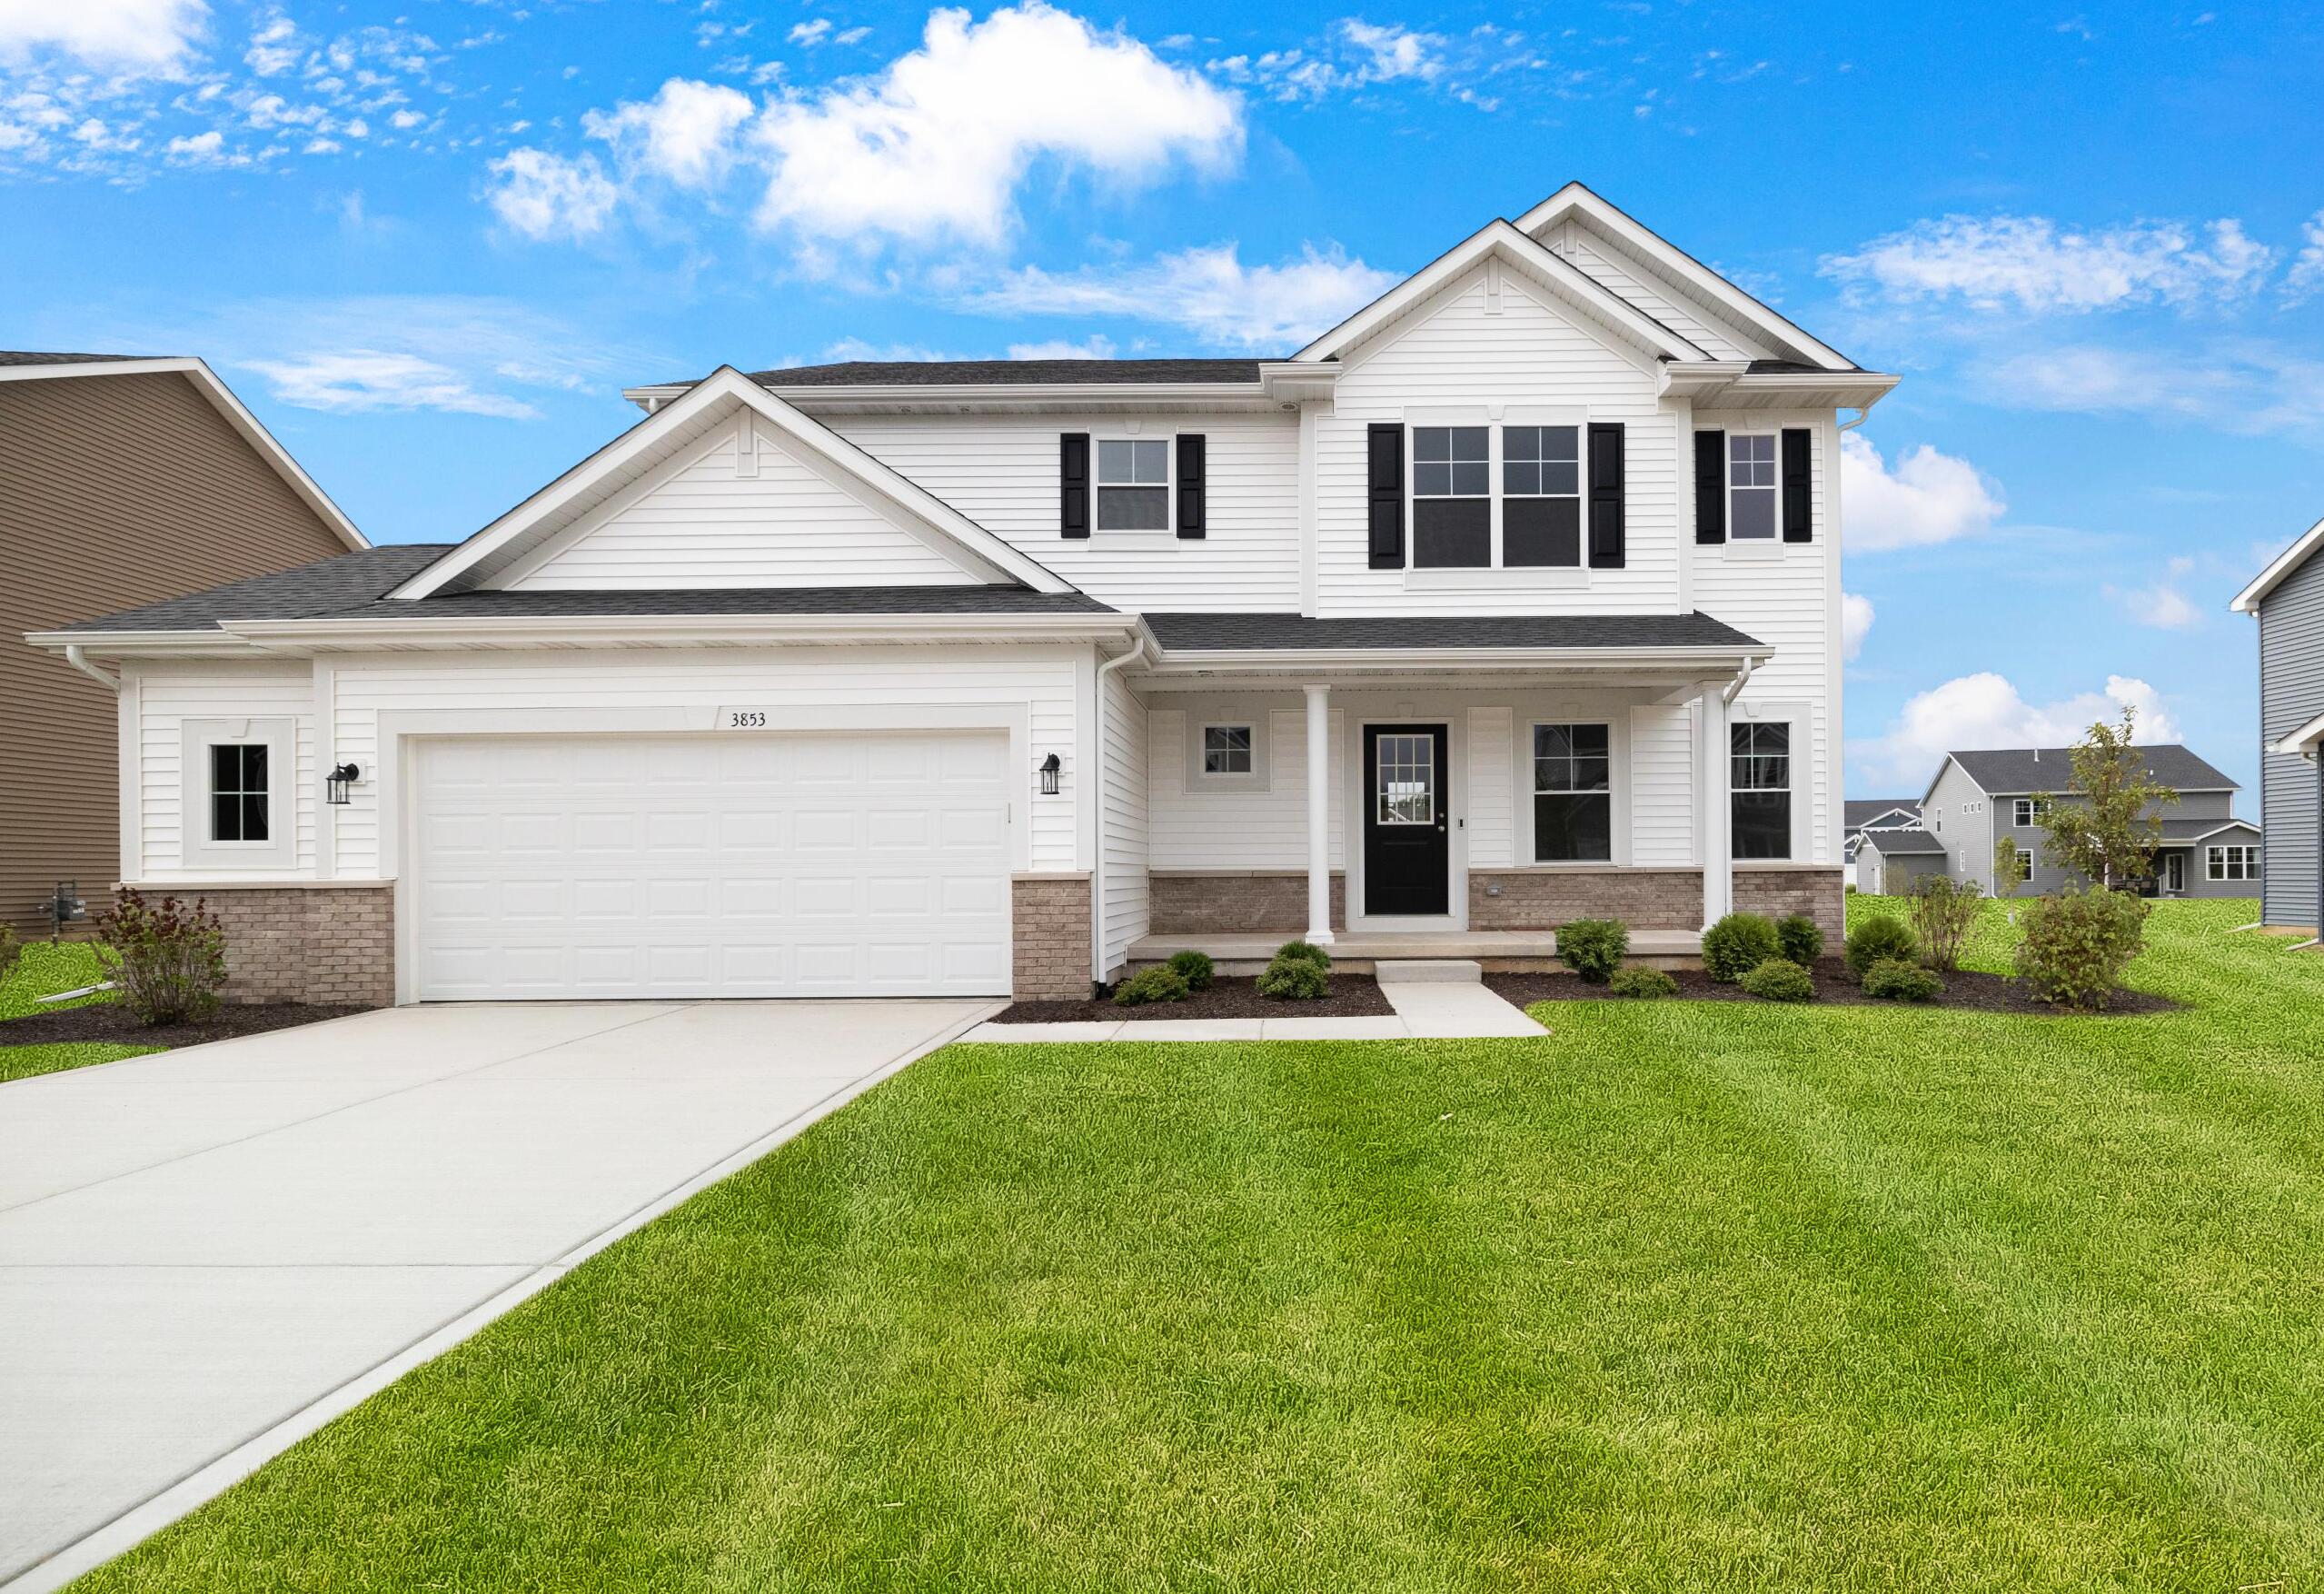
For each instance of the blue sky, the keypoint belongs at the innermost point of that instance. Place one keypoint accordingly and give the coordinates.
(428, 244)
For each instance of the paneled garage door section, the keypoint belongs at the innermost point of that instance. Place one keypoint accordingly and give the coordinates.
(733, 866)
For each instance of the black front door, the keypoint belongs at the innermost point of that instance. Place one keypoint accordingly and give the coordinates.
(1407, 848)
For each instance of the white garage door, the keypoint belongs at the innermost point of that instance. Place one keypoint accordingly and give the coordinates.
(733, 866)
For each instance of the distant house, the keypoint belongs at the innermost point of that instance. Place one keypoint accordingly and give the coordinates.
(1871, 813)
(1889, 861)
(121, 482)
(1979, 797)
(2287, 600)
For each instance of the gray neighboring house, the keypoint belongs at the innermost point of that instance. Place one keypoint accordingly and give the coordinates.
(2287, 600)
(1860, 814)
(1889, 861)
(1981, 796)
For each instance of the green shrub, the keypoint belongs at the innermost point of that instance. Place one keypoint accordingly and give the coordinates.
(1195, 968)
(1737, 944)
(1800, 938)
(1159, 983)
(1896, 980)
(1944, 910)
(1777, 980)
(2078, 943)
(1290, 978)
(1593, 948)
(170, 959)
(1307, 950)
(1882, 938)
(1640, 981)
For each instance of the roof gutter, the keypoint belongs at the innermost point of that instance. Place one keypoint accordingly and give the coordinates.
(1196, 661)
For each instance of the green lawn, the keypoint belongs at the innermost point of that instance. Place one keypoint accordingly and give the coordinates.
(1686, 1296)
(46, 968)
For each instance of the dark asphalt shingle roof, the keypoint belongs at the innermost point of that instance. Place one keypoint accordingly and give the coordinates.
(1862, 811)
(37, 357)
(1899, 842)
(354, 586)
(671, 603)
(2012, 770)
(992, 373)
(1194, 633)
(2188, 829)
(321, 588)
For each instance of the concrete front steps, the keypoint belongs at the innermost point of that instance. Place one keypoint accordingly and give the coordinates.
(1359, 951)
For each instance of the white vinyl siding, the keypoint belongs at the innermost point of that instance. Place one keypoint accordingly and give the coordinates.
(705, 522)
(1663, 786)
(1611, 267)
(169, 696)
(1001, 471)
(1236, 827)
(1492, 814)
(1124, 813)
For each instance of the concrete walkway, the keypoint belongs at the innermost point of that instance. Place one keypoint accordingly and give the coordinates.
(205, 1254)
(1434, 1010)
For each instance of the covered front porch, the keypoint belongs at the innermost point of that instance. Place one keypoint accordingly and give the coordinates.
(1467, 801)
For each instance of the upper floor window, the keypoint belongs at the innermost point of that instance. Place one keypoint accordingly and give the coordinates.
(1572, 794)
(1134, 484)
(2025, 811)
(1540, 496)
(1761, 777)
(238, 793)
(1452, 497)
(1751, 485)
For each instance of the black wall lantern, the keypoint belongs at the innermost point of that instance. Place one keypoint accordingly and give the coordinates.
(334, 787)
(1050, 767)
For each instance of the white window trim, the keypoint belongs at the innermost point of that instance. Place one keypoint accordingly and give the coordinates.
(279, 736)
(1169, 441)
(1773, 542)
(2021, 813)
(1617, 807)
(1203, 714)
(2214, 861)
(1251, 780)
(1495, 575)
(1806, 773)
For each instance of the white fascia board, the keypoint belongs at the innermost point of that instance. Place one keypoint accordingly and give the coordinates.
(1668, 256)
(984, 396)
(1529, 256)
(2247, 602)
(2224, 825)
(2304, 742)
(1719, 662)
(490, 631)
(724, 385)
(120, 644)
(222, 399)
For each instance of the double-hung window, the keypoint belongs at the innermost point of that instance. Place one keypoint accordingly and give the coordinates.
(1760, 765)
(1750, 486)
(1573, 795)
(1452, 497)
(238, 793)
(1134, 484)
(1540, 496)
(2234, 863)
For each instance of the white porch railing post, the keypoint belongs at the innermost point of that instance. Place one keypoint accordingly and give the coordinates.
(1319, 815)
(1718, 811)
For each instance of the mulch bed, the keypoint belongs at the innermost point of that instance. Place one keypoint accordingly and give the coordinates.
(110, 1021)
(1978, 992)
(1352, 996)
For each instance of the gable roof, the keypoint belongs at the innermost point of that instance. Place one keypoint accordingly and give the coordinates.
(1859, 812)
(634, 454)
(1499, 239)
(2247, 601)
(2011, 771)
(1577, 199)
(24, 365)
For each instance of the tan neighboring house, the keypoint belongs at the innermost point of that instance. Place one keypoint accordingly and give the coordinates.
(122, 480)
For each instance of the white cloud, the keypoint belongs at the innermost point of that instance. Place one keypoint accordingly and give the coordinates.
(1930, 497)
(683, 135)
(2241, 385)
(274, 48)
(1394, 51)
(2161, 605)
(2306, 272)
(1097, 346)
(1354, 54)
(364, 380)
(2035, 264)
(127, 36)
(811, 32)
(543, 195)
(937, 144)
(1210, 291)
(200, 149)
(1855, 624)
(1985, 711)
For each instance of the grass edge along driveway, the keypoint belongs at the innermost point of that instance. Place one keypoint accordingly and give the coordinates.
(44, 968)
(1681, 1296)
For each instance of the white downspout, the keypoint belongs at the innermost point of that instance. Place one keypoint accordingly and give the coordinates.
(1098, 796)
(75, 656)
(1734, 687)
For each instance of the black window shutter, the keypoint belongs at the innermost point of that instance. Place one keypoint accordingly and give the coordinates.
(1192, 489)
(1073, 484)
(1607, 537)
(1799, 485)
(1710, 487)
(1384, 452)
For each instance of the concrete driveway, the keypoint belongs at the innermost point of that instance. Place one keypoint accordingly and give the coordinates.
(206, 1253)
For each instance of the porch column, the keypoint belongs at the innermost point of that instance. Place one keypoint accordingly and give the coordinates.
(1718, 812)
(1319, 814)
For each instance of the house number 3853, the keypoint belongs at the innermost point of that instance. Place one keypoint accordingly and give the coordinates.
(745, 720)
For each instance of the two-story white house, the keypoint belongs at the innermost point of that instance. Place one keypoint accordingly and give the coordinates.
(1512, 599)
